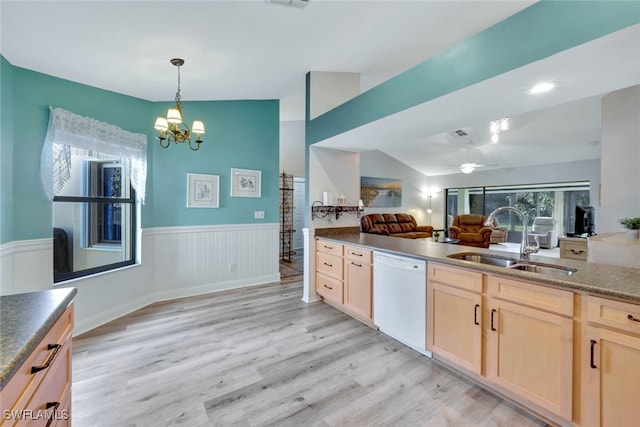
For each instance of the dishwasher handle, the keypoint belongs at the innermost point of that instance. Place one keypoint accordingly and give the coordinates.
(409, 264)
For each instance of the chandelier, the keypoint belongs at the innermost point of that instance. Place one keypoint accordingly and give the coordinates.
(172, 128)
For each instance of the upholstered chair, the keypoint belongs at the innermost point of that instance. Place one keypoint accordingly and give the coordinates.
(545, 227)
(470, 230)
(499, 234)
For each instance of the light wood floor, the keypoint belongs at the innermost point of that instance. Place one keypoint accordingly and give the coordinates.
(260, 356)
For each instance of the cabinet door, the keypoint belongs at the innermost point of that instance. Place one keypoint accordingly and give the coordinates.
(530, 354)
(358, 288)
(613, 363)
(454, 325)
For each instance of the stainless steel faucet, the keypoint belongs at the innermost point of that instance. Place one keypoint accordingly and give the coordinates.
(525, 249)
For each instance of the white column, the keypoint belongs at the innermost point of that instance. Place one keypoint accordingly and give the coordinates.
(309, 283)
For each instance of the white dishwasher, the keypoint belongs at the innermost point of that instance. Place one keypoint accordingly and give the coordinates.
(400, 299)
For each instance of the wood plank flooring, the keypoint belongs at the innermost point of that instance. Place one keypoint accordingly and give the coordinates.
(261, 357)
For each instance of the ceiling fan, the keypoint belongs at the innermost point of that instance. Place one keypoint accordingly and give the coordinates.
(467, 166)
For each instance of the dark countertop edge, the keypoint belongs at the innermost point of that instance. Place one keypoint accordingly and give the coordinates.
(501, 271)
(30, 344)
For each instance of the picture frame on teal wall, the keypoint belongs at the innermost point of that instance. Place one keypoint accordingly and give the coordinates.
(203, 190)
(246, 183)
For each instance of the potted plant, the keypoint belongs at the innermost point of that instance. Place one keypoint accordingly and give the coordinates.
(632, 225)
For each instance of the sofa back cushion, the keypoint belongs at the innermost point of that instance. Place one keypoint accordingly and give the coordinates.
(393, 223)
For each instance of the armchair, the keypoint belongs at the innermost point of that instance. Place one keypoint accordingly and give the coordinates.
(499, 234)
(470, 230)
(545, 228)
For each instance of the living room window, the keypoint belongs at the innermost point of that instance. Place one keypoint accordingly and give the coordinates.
(95, 175)
(556, 200)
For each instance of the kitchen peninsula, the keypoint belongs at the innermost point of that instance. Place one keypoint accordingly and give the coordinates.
(562, 346)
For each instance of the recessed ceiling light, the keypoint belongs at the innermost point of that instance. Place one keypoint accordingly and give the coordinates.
(542, 87)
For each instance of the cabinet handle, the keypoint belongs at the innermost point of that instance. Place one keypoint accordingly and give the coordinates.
(493, 311)
(360, 265)
(56, 349)
(356, 254)
(328, 265)
(633, 319)
(475, 314)
(55, 406)
(328, 287)
(593, 344)
(328, 247)
(577, 252)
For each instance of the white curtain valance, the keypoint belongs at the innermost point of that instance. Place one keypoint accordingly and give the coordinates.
(68, 130)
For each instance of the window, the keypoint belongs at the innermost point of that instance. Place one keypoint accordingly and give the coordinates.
(95, 175)
(555, 199)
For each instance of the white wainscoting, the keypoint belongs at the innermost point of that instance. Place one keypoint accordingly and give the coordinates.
(175, 262)
(200, 259)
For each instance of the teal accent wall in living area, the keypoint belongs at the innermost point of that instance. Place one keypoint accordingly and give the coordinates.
(243, 134)
(537, 32)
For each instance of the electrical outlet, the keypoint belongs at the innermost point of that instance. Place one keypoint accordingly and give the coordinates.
(232, 266)
(258, 214)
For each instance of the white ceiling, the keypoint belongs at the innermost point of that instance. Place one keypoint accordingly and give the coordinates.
(255, 49)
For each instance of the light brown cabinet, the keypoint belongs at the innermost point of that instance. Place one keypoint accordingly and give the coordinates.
(39, 392)
(530, 342)
(344, 278)
(454, 316)
(516, 336)
(358, 281)
(573, 248)
(329, 271)
(612, 363)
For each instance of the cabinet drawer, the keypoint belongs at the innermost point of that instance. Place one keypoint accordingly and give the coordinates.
(458, 277)
(23, 384)
(531, 294)
(329, 288)
(355, 253)
(328, 247)
(616, 314)
(51, 397)
(573, 250)
(329, 264)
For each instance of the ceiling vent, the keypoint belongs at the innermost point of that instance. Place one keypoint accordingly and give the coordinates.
(292, 3)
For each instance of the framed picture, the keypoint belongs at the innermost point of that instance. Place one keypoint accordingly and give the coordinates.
(381, 192)
(245, 183)
(203, 190)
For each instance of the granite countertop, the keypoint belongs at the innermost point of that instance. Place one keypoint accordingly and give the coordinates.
(602, 279)
(24, 320)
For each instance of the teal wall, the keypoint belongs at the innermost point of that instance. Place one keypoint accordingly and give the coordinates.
(539, 31)
(6, 150)
(239, 134)
(242, 134)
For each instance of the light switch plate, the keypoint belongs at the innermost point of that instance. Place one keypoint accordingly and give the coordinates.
(258, 214)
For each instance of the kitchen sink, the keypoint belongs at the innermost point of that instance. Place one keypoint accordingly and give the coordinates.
(514, 263)
(500, 261)
(534, 267)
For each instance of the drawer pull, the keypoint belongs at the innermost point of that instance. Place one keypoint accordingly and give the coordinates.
(55, 406)
(328, 287)
(633, 319)
(475, 314)
(328, 247)
(493, 311)
(577, 252)
(360, 265)
(56, 349)
(328, 265)
(593, 344)
(356, 254)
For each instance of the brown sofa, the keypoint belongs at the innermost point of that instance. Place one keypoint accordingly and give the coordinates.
(396, 225)
(471, 231)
